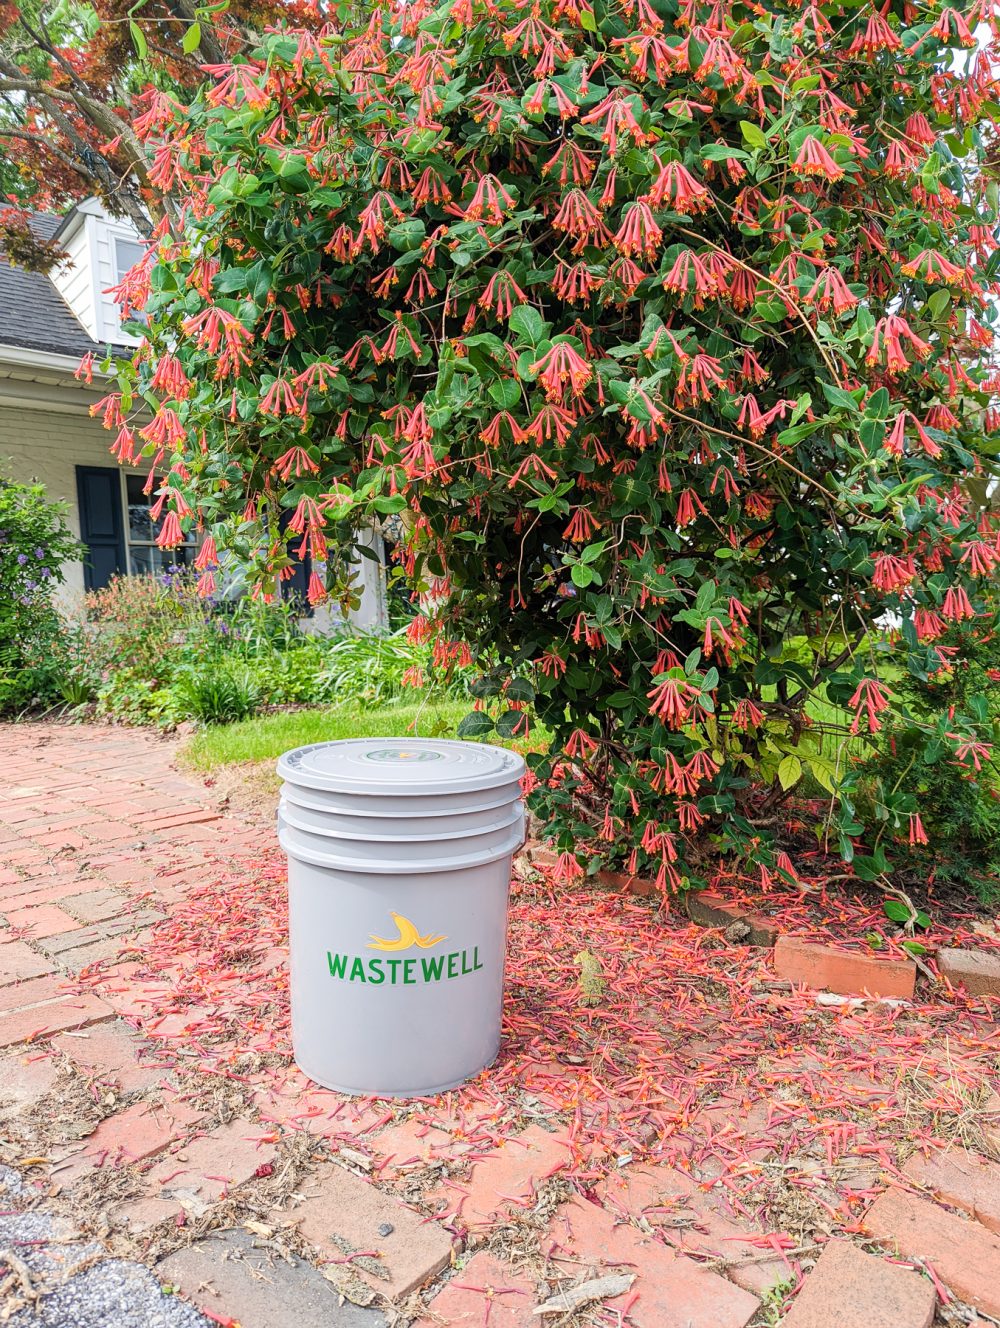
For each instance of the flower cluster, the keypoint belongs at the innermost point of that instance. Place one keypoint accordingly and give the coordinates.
(674, 348)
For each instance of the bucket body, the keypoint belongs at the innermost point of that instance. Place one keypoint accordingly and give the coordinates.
(397, 889)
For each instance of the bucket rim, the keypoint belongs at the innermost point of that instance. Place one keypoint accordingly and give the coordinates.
(412, 809)
(505, 766)
(515, 815)
(373, 867)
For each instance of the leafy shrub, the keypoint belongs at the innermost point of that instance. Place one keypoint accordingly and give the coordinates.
(946, 813)
(288, 677)
(35, 543)
(369, 670)
(158, 653)
(220, 694)
(669, 328)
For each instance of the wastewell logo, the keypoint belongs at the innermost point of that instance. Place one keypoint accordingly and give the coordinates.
(404, 972)
(407, 939)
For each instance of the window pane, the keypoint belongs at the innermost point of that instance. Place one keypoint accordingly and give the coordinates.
(139, 525)
(127, 254)
(148, 560)
(142, 529)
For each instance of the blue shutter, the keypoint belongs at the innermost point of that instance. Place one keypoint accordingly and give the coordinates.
(99, 495)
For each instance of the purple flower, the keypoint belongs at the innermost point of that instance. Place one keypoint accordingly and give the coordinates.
(39, 553)
(22, 558)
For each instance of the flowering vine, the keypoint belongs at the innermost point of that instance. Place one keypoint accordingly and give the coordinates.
(667, 322)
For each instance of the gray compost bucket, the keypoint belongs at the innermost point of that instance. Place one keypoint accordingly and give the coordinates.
(399, 859)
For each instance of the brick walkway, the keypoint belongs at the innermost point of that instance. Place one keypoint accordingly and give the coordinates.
(268, 1202)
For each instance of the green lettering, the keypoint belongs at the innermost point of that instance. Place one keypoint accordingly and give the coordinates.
(408, 966)
(375, 974)
(358, 969)
(465, 968)
(393, 965)
(433, 968)
(475, 959)
(453, 965)
(337, 964)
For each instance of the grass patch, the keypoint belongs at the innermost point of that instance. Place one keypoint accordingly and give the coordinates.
(265, 737)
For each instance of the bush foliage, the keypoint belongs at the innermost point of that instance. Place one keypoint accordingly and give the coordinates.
(152, 651)
(664, 322)
(35, 543)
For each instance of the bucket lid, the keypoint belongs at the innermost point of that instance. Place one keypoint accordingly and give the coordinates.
(400, 765)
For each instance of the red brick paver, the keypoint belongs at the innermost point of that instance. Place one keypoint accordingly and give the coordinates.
(25, 1078)
(42, 1021)
(32, 992)
(18, 961)
(851, 1289)
(670, 1290)
(509, 1178)
(692, 1220)
(40, 920)
(198, 1174)
(111, 1055)
(131, 1135)
(712, 910)
(340, 1207)
(843, 971)
(484, 1287)
(978, 971)
(963, 1254)
(962, 1180)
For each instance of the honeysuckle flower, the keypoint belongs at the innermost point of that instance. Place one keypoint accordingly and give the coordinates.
(638, 233)
(562, 368)
(675, 187)
(814, 159)
(671, 700)
(869, 700)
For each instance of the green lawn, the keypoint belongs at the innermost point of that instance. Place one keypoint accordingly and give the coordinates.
(267, 736)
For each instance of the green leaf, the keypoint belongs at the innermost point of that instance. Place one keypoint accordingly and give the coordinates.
(871, 433)
(789, 772)
(519, 689)
(475, 725)
(528, 323)
(138, 39)
(896, 910)
(753, 134)
(192, 39)
(509, 722)
(839, 398)
(722, 152)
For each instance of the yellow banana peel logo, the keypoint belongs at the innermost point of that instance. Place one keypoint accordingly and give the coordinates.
(407, 939)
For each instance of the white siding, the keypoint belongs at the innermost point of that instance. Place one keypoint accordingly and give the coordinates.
(107, 276)
(90, 271)
(48, 446)
(74, 279)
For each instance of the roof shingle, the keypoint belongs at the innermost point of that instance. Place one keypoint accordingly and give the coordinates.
(33, 315)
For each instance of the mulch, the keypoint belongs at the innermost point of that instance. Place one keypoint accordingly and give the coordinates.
(689, 1055)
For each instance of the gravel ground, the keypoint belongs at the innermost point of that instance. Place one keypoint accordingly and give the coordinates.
(111, 1294)
(66, 1282)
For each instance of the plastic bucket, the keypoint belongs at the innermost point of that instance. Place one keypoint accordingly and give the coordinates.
(399, 858)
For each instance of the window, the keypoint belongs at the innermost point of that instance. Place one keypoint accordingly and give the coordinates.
(144, 555)
(127, 254)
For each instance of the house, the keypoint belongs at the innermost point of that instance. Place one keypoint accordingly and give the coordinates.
(48, 322)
